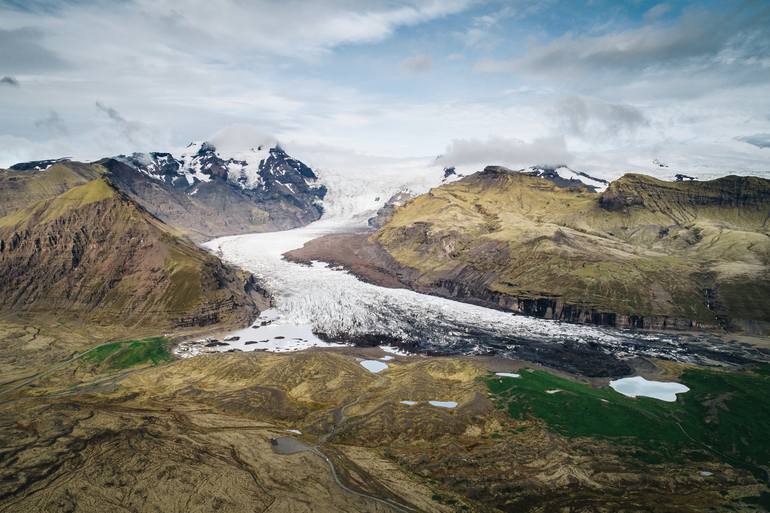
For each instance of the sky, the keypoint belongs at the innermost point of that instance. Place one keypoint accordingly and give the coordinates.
(602, 86)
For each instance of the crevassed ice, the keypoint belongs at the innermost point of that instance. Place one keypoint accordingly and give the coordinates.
(337, 303)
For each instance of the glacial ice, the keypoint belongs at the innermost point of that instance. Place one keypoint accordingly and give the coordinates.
(318, 299)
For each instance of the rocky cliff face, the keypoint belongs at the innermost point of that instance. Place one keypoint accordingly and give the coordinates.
(644, 253)
(385, 212)
(94, 255)
(206, 194)
(680, 199)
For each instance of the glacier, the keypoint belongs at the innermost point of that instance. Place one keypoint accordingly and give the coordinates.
(317, 299)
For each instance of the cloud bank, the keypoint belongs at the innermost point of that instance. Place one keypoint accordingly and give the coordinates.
(758, 140)
(611, 84)
(513, 153)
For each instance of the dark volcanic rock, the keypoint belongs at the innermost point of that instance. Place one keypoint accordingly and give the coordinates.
(36, 165)
(389, 208)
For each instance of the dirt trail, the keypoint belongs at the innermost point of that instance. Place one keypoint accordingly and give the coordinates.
(340, 416)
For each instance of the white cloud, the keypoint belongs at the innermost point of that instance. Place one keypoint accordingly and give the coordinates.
(291, 28)
(309, 73)
(732, 45)
(241, 137)
(488, 30)
(9, 81)
(52, 123)
(591, 118)
(509, 152)
(24, 52)
(656, 11)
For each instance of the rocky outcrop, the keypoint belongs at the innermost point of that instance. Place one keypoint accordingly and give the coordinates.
(560, 175)
(555, 308)
(385, 212)
(37, 165)
(678, 198)
(201, 192)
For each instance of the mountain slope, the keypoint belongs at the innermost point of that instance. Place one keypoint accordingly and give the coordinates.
(23, 185)
(94, 255)
(643, 253)
(208, 195)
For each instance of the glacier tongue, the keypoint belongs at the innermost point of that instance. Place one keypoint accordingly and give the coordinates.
(335, 302)
(318, 299)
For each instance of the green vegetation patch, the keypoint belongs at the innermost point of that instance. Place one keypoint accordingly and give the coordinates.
(128, 353)
(725, 415)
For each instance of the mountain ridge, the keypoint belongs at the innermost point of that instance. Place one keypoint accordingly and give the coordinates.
(93, 253)
(201, 192)
(208, 195)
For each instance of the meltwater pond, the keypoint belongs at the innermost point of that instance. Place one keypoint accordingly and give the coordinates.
(315, 299)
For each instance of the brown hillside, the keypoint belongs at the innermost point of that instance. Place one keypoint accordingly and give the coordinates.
(92, 254)
(645, 253)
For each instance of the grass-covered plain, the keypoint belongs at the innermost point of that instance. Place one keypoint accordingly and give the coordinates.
(128, 353)
(725, 416)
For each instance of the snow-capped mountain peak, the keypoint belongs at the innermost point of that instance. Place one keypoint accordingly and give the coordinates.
(260, 187)
(565, 176)
(260, 167)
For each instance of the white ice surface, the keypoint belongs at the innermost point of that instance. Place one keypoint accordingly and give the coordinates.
(443, 404)
(279, 335)
(640, 387)
(374, 366)
(393, 350)
(319, 299)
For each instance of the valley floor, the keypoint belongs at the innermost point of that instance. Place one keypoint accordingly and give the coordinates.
(317, 431)
(89, 421)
